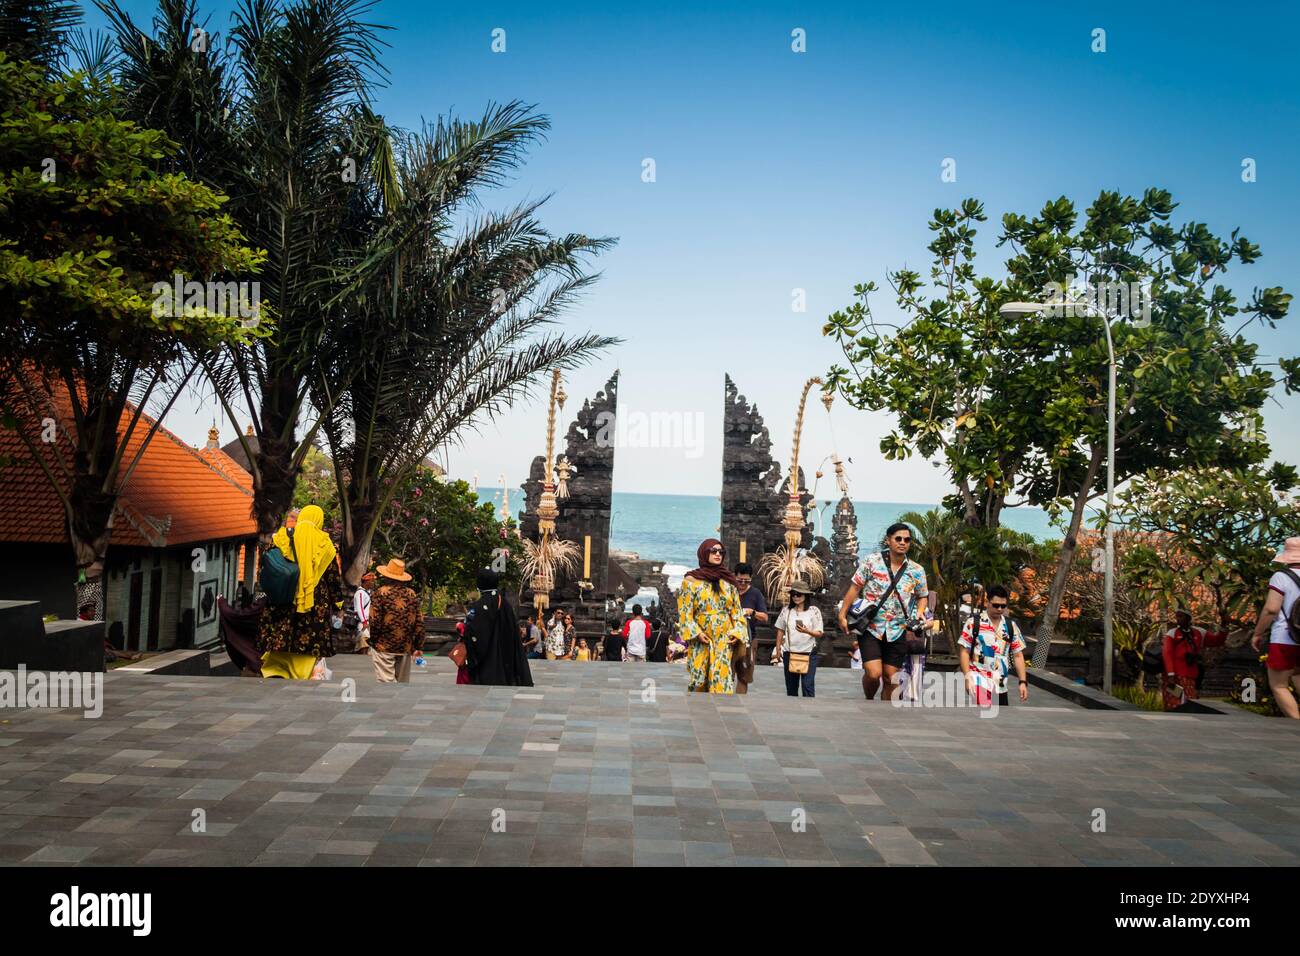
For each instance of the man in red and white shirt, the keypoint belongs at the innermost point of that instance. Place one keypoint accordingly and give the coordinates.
(361, 604)
(635, 633)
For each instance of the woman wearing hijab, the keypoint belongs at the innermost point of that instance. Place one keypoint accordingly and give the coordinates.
(711, 621)
(292, 638)
(494, 654)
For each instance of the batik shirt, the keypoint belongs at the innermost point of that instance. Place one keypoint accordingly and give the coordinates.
(873, 578)
(396, 625)
(991, 651)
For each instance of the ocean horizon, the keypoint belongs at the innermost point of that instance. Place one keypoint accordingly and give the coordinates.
(668, 528)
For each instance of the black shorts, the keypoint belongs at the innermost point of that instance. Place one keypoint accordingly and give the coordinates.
(893, 653)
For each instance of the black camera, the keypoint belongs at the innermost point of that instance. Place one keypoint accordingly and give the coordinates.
(859, 621)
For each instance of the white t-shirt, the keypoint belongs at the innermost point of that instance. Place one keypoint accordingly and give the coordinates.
(1281, 583)
(795, 639)
(361, 604)
(636, 630)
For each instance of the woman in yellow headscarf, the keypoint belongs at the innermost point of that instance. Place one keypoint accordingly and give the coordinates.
(293, 638)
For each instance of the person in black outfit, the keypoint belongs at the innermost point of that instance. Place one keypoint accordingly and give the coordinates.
(614, 643)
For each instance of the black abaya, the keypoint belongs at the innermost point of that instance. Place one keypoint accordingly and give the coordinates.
(495, 653)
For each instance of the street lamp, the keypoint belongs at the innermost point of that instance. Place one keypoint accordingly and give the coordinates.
(1040, 651)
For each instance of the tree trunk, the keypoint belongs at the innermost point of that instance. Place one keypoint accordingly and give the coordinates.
(358, 536)
(273, 493)
(1047, 627)
(90, 524)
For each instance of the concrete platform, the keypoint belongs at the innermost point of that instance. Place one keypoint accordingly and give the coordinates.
(590, 767)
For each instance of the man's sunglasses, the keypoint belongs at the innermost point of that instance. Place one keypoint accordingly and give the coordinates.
(998, 607)
(899, 537)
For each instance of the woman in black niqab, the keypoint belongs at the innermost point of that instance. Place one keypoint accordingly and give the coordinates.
(495, 653)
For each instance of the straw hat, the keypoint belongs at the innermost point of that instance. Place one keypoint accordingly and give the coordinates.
(1290, 553)
(394, 569)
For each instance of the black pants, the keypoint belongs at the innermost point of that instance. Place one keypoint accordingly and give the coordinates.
(793, 681)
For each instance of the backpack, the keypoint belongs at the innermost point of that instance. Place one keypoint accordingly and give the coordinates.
(279, 576)
(1293, 615)
(1153, 658)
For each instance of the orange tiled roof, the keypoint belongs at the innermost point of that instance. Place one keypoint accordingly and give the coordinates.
(177, 494)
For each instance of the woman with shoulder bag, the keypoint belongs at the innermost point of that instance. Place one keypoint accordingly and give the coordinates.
(802, 621)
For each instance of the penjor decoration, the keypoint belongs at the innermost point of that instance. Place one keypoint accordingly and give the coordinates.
(789, 561)
(548, 555)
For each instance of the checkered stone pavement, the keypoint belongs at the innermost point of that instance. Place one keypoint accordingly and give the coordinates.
(616, 764)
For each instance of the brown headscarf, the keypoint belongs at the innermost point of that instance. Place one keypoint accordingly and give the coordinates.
(709, 572)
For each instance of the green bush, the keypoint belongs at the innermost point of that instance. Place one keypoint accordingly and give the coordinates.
(1134, 694)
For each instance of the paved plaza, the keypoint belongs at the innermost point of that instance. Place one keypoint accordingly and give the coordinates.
(597, 766)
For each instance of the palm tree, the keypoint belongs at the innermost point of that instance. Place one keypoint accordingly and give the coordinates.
(278, 119)
(440, 313)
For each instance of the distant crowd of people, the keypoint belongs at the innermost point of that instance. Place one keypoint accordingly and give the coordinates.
(290, 629)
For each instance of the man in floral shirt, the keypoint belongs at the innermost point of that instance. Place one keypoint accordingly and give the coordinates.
(989, 640)
(884, 651)
(396, 625)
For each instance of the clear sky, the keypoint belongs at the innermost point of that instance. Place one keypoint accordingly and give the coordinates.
(778, 171)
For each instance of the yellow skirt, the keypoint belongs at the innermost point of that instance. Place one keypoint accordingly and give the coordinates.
(288, 666)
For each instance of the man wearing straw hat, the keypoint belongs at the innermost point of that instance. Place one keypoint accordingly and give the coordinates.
(1276, 620)
(396, 625)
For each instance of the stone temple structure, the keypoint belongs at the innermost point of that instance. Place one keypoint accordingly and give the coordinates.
(753, 493)
(589, 447)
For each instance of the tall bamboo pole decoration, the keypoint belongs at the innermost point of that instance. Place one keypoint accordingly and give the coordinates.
(794, 520)
(547, 509)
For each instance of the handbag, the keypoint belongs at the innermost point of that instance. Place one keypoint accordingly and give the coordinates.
(917, 644)
(458, 653)
(797, 662)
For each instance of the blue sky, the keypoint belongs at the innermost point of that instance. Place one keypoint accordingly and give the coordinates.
(778, 170)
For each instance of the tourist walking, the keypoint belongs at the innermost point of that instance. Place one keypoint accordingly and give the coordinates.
(292, 637)
(657, 650)
(570, 639)
(1181, 652)
(798, 628)
(711, 620)
(635, 632)
(396, 624)
(615, 644)
(883, 588)
(988, 643)
(754, 606)
(494, 655)
(555, 636)
(1280, 621)
(361, 608)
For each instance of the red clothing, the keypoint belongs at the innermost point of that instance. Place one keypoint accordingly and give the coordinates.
(1176, 648)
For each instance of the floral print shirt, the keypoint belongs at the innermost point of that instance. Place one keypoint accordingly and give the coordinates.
(874, 577)
(711, 619)
(991, 650)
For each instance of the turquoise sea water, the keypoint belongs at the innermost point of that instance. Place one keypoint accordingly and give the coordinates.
(669, 528)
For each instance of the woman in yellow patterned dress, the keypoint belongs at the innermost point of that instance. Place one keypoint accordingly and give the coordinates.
(711, 621)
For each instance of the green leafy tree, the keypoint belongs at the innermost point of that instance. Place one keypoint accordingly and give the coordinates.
(317, 484)
(445, 535)
(1019, 402)
(1213, 535)
(89, 224)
